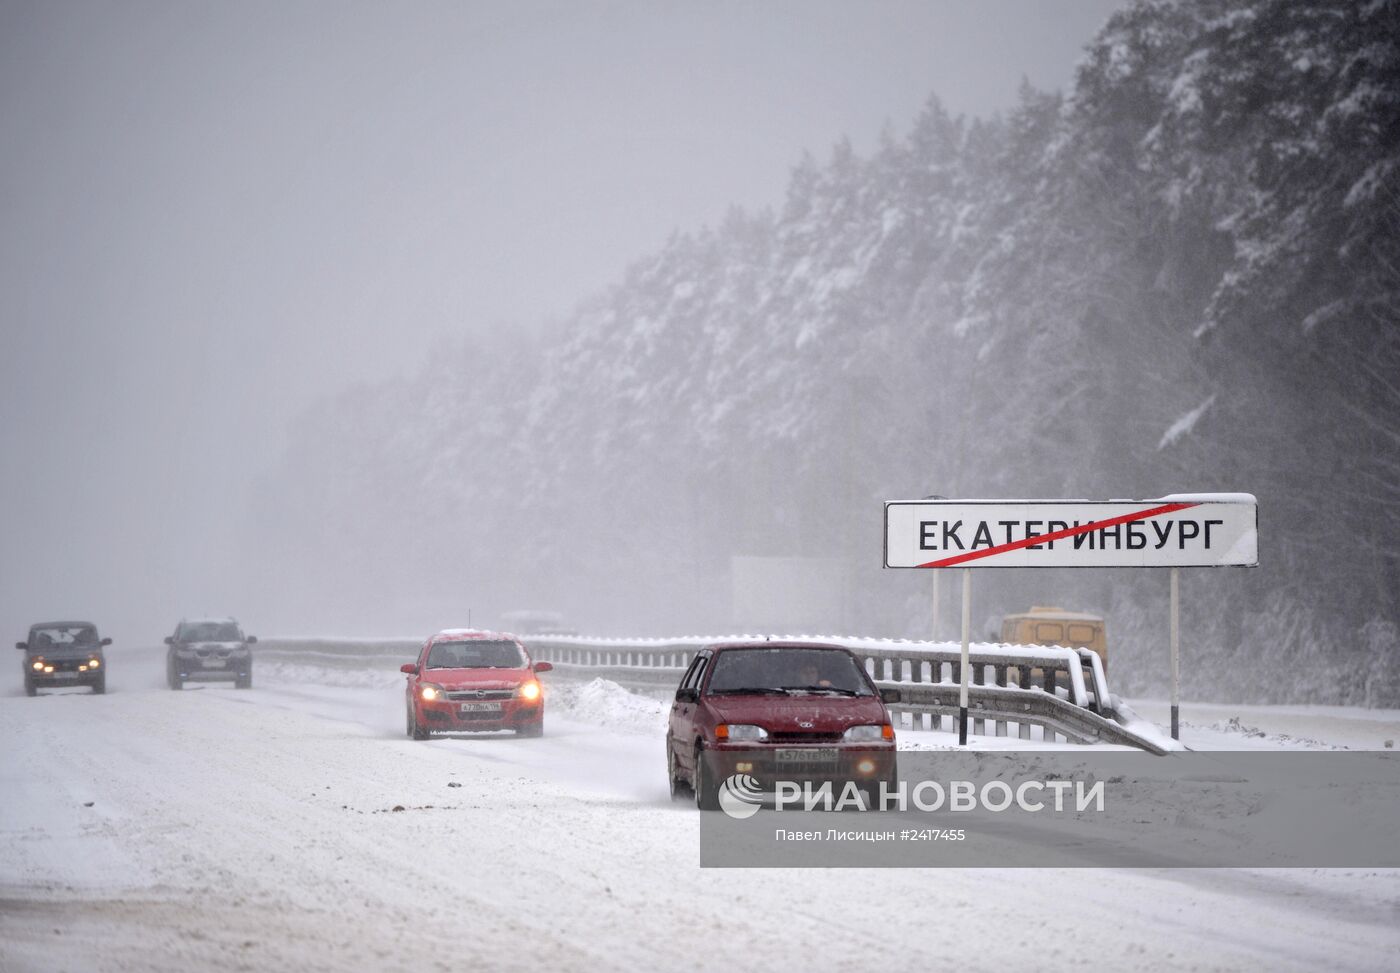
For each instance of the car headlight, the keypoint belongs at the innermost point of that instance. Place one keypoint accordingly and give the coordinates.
(38, 664)
(431, 692)
(740, 732)
(529, 690)
(868, 734)
(94, 663)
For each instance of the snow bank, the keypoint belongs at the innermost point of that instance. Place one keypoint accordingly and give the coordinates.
(607, 704)
(599, 701)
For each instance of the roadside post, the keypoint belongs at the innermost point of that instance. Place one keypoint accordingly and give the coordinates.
(1177, 531)
(965, 668)
(1176, 653)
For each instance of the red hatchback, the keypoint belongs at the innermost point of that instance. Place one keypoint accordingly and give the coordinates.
(777, 711)
(466, 680)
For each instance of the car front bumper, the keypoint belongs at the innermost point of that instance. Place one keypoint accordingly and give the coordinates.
(833, 762)
(468, 716)
(192, 666)
(65, 677)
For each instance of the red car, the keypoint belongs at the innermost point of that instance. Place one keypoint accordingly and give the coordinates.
(466, 680)
(777, 711)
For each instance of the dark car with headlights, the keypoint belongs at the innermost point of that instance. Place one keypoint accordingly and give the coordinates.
(209, 649)
(59, 654)
(796, 711)
(471, 680)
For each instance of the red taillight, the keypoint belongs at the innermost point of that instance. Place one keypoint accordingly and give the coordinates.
(887, 732)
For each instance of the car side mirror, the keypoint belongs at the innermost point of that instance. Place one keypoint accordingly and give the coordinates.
(544, 667)
(687, 695)
(170, 640)
(251, 640)
(409, 668)
(105, 642)
(21, 645)
(891, 696)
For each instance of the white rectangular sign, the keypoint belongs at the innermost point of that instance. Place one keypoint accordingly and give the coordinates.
(1180, 531)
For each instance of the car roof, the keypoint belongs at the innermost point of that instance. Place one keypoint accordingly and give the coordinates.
(62, 625)
(774, 644)
(224, 619)
(469, 634)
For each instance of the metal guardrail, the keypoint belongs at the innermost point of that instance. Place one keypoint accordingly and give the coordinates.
(996, 709)
(334, 653)
(1050, 667)
(1011, 687)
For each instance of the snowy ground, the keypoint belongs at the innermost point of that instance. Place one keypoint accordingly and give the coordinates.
(227, 830)
(1220, 726)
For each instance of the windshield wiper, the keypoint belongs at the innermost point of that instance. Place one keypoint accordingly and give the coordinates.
(749, 691)
(821, 689)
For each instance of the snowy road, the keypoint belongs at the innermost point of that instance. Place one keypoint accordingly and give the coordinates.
(226, 830)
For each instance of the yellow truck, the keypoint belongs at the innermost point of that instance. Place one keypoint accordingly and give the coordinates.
(1044, 625)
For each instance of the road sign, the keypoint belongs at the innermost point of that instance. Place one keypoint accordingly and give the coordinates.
(1185, 530)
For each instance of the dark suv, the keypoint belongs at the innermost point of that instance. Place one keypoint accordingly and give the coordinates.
(775, 711)
(209, 649)
(60, 654)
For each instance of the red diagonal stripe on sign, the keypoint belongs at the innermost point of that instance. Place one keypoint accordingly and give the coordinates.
(948, 562)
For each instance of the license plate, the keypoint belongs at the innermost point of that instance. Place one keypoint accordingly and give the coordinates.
(65, 675)
(806, 756)
(481, 707)
(214, 663)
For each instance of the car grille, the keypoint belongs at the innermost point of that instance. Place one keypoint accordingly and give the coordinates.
(65, 665)
(803, 737)
(471, 695)
(484, 716)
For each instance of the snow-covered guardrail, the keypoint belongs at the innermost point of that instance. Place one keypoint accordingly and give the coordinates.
(1011, 686)
(339, 653)
(1062, 691)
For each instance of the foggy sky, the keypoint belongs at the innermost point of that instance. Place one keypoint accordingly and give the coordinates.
(212, 215)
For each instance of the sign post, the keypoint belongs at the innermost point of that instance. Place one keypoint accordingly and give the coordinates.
(1176, 654)
(1178, 531)
(964, 672)
(933, 631)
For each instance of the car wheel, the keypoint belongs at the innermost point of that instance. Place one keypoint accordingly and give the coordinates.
(706, 791)
(100, 687)
(243, 680)
(680, 790)
(29, 688)
(414, 730)
(531, 729)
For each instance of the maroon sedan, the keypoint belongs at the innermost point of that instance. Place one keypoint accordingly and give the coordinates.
(466, 680)
(777, 711)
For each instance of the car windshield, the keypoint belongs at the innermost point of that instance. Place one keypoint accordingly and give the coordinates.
(210, 632)
(476, 654)
(59, 635)
(787, 670)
